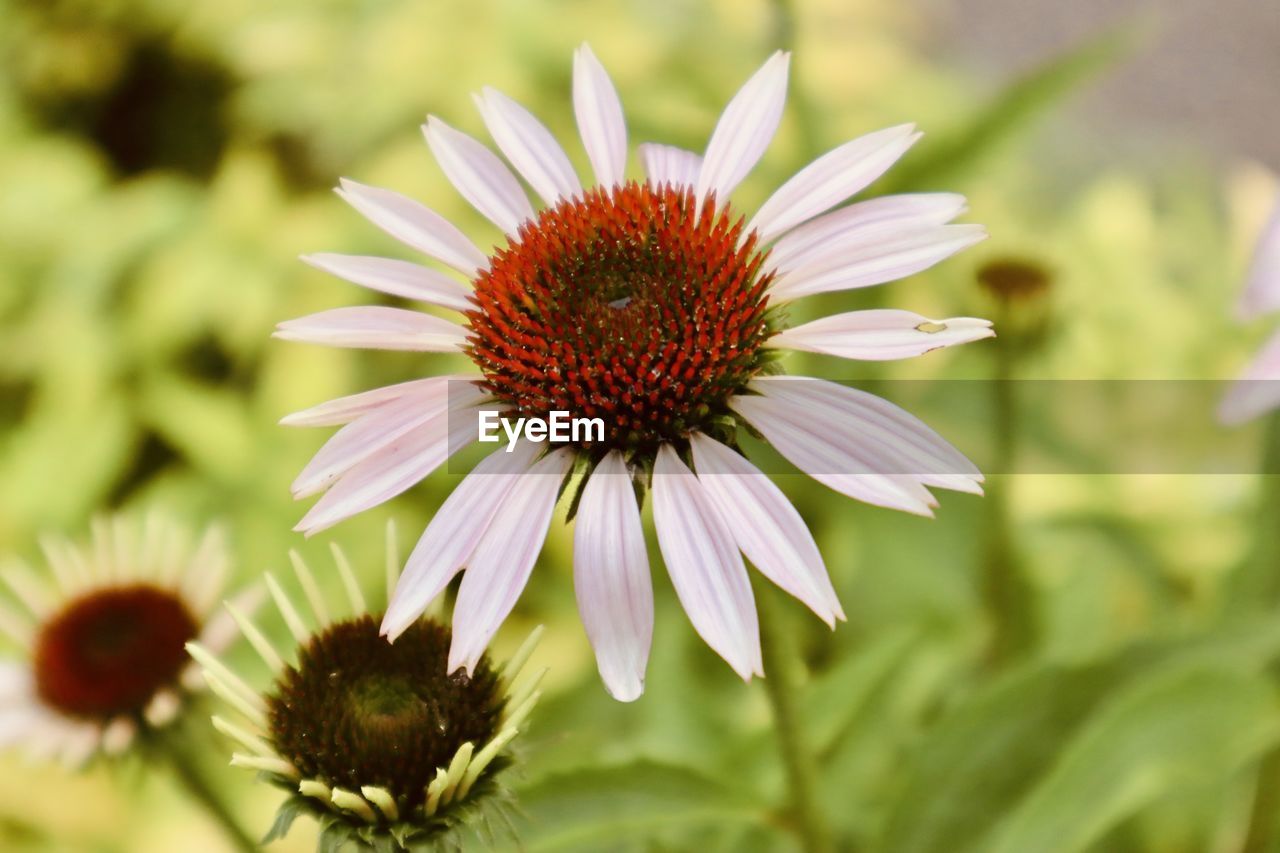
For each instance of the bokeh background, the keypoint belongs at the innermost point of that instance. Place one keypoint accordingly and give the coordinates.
(1073, 663)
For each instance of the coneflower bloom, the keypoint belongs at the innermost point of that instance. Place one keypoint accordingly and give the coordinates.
(103, 644)
(1258, 390)
(379, 742)
(655, 307)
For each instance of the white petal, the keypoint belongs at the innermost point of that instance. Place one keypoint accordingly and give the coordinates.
(745, 129)
(611, 577)
(370, 433)
(666, 164)
(832, 178)
(1257, 391)
(479, 176)
(881, 334)
(498, 570)
(416, 225)
(876, 262)
(765, 525)
(390, 471)
(375, 327)
(866, 221)
(529, 146)
(346, 409)
(1262, 290)
(901, 443)
(398, 278)
(600, 119)
(453, 534)
(807, 441)
(704, 565)
(16, 724)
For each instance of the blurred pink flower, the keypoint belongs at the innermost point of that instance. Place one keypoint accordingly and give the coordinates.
(652, 306)
(1258, 390)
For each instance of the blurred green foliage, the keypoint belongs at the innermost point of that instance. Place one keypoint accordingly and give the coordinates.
(163, 164)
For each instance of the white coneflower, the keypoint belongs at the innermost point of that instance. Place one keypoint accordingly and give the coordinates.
(1258, 390)
(653, 306)
(379, 742)
(103, 636)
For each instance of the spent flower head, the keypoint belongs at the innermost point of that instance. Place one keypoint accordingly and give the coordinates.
(379, 742)
(103, 633)
(655, 306)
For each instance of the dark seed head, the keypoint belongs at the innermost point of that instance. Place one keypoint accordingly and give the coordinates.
(358, 710)
(109, 651)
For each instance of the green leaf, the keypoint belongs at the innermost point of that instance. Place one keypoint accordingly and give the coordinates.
(992, 749)
(1182, 727)
(581, 809)
(1012, 111)
(288, 812)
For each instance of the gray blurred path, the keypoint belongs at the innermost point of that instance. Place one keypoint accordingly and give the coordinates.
(1212, 71)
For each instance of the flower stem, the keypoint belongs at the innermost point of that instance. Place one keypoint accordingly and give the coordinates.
(783, 665)
(198, 788)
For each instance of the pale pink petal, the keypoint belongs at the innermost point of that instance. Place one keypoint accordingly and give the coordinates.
(529, 146)
(765, 525)
(453, 534)
(902, 442)
(372, 432)
(397, 278)
(876, 262)
(17, 723)
(346, 409)
(390, 471)
(499, 569)
(1262, 290)
(744, 130)
(705, 567)
(600, 119)
(666, 164)
(375, 327)
(861, 223)
(809, 441)
(416, 225)
(479, 176)
(1257, 391)
(611, 577)
(831, 179)
(881, 334)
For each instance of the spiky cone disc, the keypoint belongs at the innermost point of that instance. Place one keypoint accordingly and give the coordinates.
(376, 741)
(102, 632)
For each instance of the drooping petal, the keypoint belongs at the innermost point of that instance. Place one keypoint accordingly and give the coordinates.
(705, 567)
(831, 179)
(860, 223)
(765, 525)
(529, 146)
(745, 129)
(343, 410)
(903, 443)
(611, 577)
(398, 278)
(1262, 289)
(881, 334)
(600, 119)
(390, 471)
(810, 442)
(416, 225)
(1257, 391)
(877, 262)
(666, 164)
(500, 566)
(370, 433)
(375, 327)
(479, 176)
(453, 534)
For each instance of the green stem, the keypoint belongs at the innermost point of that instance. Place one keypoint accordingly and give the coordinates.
(783, 667)
(188, 771)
